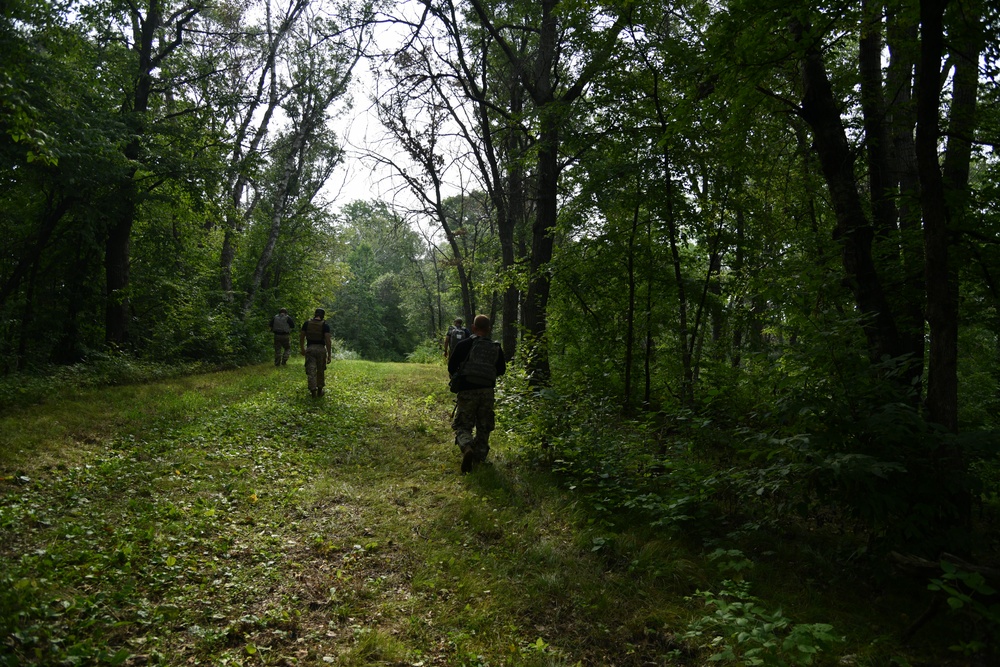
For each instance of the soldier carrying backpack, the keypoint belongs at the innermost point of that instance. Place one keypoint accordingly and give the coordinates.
(282, 326)
(456, 334)
(474, 366)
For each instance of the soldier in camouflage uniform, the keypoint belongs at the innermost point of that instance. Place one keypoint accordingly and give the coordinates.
(317, 347)
(474, 365)
(282, 326)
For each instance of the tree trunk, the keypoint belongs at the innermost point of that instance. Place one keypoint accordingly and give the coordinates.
(146, 31)
(630, 308)
(853, 231)
(943, 194)
(547, 193)
(117, 246)
(292, 171)
(901, 118)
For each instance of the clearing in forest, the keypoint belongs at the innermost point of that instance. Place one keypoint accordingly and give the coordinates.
(230, 518)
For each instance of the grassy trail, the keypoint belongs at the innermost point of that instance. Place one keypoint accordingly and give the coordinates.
(231, 519)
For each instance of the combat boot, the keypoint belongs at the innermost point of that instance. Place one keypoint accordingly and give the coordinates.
(468, 458)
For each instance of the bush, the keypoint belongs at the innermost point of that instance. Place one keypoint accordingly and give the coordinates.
(740, 629)
(427, 352)
(905, 482)
(99, 369)
(622, 469)
(339, 351)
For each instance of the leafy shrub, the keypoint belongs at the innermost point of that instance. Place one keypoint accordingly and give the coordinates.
(618, 466)
(99, 369)
(904, 480)
(969, 593)
(740, 629)
(427, 352)
(340, 351)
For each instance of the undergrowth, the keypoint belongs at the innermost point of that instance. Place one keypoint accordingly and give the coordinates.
(802, 527)
(103, 369)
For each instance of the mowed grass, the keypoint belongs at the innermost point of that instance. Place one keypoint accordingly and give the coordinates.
(230, 518)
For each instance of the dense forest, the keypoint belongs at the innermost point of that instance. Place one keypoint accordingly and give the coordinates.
(768, 230)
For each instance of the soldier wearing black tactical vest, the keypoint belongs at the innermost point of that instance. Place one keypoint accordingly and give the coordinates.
(316, 346)
(474, 365)
(282, 327)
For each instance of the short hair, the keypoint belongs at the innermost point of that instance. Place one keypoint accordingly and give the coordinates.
(283, 310)
(319, 312)
(482, 322)
(458, 320)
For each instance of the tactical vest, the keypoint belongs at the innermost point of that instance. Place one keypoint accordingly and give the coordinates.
(281, 324)
(480, 367)
(314, 331)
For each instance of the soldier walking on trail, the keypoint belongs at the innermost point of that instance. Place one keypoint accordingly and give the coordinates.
(456, 334)
(474, 366)
(316, 346)
(282, 326)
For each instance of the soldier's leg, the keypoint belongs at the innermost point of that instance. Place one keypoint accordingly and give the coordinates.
(321, 371)
(485, 423)
(464, 421)
(311, 370)
(286, 343)
(277, 350)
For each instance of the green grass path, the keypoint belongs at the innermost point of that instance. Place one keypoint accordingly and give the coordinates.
(230, 519)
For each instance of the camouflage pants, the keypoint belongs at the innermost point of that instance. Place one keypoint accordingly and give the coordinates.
(474, 411)
(282, 348)
(316, 365)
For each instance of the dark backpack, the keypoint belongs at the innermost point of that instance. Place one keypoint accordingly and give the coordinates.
(455, 336)
(480, 366)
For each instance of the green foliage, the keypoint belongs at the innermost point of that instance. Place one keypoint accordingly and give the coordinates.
(969, 594)
(100, 369)
(614, 465)
(339, 350)
(900, 476)
(740, 630)
(427, 352)
(373, 310)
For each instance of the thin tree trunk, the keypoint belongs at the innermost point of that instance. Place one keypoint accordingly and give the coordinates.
(294, 164)
(942, 302)
(902, 43)
(630, 308)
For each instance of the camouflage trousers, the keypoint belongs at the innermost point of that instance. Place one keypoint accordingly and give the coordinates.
(474, 412)
(316, 366)
(282, 348)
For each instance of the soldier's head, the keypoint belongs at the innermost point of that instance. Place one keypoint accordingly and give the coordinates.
(319, 314)
(458, 321)
(481, 326)
(283, 311)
